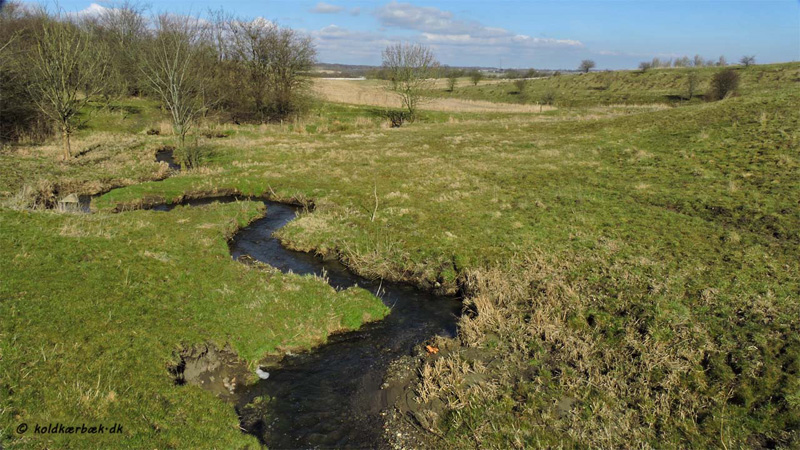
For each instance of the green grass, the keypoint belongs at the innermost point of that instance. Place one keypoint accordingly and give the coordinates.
(95, 307)
(638, 262)
(626, 87)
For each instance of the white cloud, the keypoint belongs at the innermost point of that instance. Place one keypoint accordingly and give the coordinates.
(91, 11)
(441, 27)
(326, 8)
(453, 40)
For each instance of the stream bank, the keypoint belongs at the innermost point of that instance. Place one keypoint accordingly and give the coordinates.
(335, 395)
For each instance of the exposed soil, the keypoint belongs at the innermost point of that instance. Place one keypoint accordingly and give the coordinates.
(217, 370)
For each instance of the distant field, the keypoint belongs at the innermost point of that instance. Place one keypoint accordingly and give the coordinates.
(629, 262)
(373, 93)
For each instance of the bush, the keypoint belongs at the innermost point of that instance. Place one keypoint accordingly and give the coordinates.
(397, 117)
(520, 85)
(548, 98)
(724, 84)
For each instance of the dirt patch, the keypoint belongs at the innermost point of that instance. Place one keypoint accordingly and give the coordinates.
(410, 421)
(219, 371)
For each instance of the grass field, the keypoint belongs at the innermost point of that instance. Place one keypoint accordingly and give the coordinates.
(631, 273)
(669, 86)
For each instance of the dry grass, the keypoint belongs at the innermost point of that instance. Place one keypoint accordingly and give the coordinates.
(372, 94)
(101, 162)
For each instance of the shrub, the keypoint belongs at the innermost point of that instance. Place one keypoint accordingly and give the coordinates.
(520, 85)
(548, 98)
(398, 117)
(586, 65)
(475, 76)
(724, 83)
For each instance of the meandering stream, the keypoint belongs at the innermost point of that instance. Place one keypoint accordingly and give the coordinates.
(332, 396)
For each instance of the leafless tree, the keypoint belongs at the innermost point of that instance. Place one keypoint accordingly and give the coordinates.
(698, 61)
(452, 75)
(692, 80)
(66, 70)
(722, 62)
(644, 66)
(452, 81)
(682, 62)
(277, 61)
(748, 61)
(655, 63)
(586, 65)
(171, 66)
(124, 27)
(411, 69)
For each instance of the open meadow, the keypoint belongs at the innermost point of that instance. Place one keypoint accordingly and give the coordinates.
(628, 263)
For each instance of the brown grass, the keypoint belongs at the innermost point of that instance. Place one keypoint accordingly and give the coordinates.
(630, 388)
(373, 94)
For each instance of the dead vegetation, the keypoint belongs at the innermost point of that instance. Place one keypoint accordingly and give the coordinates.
(373, 94)
(544, 361)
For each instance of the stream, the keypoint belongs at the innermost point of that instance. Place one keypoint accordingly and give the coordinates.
(332, 396)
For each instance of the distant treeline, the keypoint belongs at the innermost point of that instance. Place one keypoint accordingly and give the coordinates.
(697, 61)
(53, 65)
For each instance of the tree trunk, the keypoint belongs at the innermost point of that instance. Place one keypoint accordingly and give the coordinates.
(65, 142)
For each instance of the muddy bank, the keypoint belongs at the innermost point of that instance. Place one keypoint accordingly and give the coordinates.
(167, 155)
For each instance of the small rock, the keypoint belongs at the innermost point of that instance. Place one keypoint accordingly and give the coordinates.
(262, 374)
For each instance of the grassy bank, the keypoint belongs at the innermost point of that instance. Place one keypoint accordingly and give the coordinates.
(95, 308)
(668, 86)
(634, 270)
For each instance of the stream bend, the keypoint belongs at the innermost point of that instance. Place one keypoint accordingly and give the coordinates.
(331, 396)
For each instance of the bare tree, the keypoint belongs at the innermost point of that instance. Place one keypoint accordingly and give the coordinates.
(692, 80)
(748, 61)
(66, 70)
(698, 61)
(452, 81)
(586, 65)
(655, 63)
(277, 61)
(411, 69)
(722, 62)
(682, 62)
(475, 76)
(171, 68)
(124, 27)
(644, 66)
(452, 78)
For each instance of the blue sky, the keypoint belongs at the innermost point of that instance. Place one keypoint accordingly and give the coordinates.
(542, 34)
